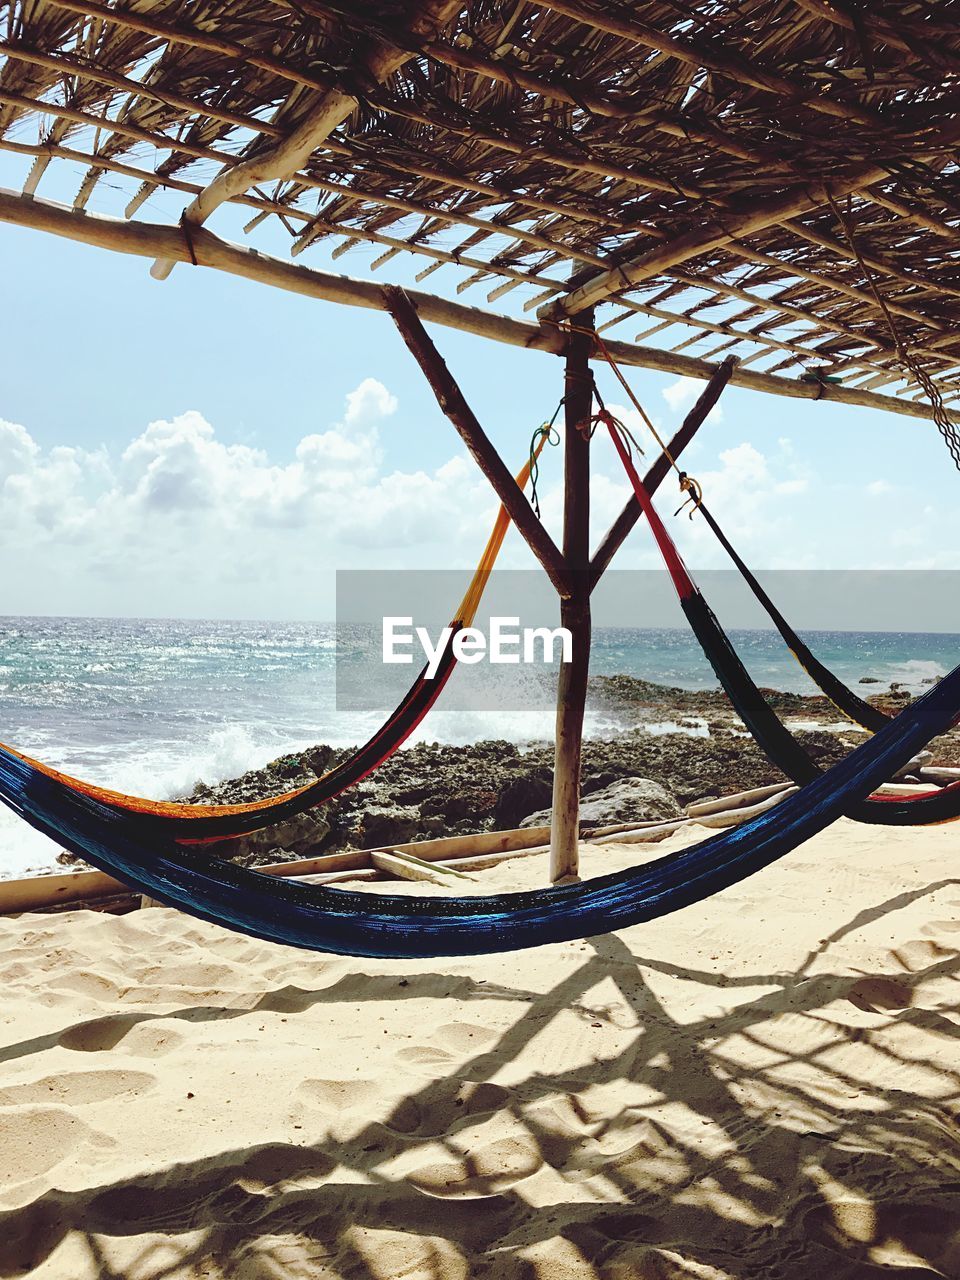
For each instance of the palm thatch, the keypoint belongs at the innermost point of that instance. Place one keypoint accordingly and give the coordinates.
(771, 179)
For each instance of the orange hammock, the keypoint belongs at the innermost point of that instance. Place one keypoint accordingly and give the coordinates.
(193, 823)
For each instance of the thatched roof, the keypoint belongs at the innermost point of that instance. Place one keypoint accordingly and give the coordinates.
(774, 179)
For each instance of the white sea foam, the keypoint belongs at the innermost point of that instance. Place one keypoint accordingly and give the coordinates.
(915, 674)
(695, 727)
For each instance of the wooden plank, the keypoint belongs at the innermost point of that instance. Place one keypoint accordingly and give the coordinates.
(453, 403)
(574, 611)
(149, 240)
(83, 886)
(939, 773)
(644, 834)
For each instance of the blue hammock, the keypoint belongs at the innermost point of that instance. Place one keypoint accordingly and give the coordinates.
(359, 924)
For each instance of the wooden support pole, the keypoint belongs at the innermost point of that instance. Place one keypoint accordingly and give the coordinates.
(575, 611)
(632, 512)
(453, 403)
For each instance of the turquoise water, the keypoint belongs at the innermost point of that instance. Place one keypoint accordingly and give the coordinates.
(151, 706)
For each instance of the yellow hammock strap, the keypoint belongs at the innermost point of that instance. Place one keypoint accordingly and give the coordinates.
(471, 600)
(174, 809)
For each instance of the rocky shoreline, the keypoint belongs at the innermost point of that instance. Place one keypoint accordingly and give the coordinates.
(679, 746)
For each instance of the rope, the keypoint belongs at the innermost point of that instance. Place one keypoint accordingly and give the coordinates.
(687, 484)
(188, 238)
(544, 434)
(692, 488)
(947, 428)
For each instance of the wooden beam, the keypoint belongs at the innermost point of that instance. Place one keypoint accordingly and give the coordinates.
(149, 240)
(453, 403)
(726, 227)
(632, 512)
(575, 611)
(334, 105)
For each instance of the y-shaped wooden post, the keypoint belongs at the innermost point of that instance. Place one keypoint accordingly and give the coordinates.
(574, 611)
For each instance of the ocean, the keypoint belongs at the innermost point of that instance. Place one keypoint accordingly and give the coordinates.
(150, 706)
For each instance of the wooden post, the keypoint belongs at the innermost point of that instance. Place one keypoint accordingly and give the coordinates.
(453, 403)
(632, 512)
(575, 611)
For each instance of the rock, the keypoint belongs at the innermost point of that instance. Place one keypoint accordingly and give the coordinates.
(627, 800)
(301, 837)
(473, 804)
(869, 680)
(387, 825)
(522, 796)
(318, 759)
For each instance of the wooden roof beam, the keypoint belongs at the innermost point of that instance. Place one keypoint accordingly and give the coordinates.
(510, 276)
(151, 240)
(911, 214)
(727, 227)
(162, 141)
(333, 107)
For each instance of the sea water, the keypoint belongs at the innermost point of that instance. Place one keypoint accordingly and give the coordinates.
(151, 706)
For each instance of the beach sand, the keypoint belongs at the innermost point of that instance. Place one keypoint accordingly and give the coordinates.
(766, 1085)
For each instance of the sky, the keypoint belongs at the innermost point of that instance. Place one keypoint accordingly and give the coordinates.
(210, 447)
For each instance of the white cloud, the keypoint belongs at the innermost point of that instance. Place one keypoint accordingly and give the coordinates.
(183, 522)
(682, 394)
(879, 488)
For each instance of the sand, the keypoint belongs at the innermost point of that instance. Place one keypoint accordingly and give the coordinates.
(763, 1086)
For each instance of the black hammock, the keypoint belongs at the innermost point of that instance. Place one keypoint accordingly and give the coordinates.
(770, 733)
(842, 697)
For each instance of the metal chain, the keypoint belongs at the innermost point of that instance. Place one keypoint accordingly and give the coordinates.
(946, 427)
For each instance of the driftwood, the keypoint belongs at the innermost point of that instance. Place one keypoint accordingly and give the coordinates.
(939, 773)
(407, 867)
(644, 834)
(36, 892)
(742, 813)
(735, 801)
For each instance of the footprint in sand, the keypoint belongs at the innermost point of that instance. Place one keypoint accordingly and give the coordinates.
(876, 995)
(907, 1239)
(920, 954)
(148, 1038)
(437, 1108)
(483, 1171)
(463, 1037)
(334, 1097)
(36, 1139)
(78, 1088)
(937, 927)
